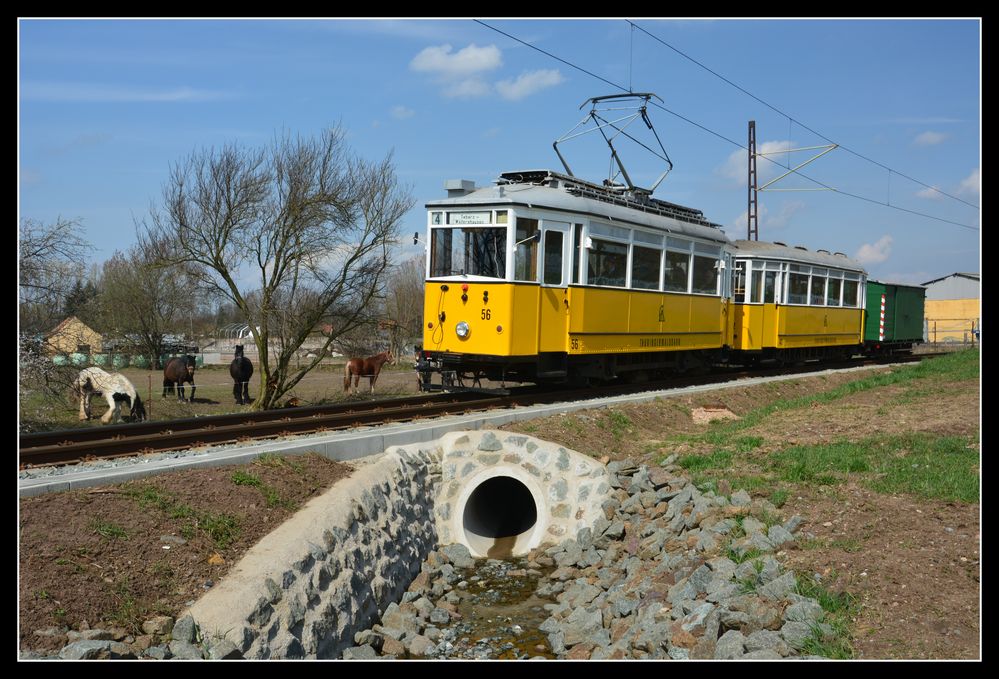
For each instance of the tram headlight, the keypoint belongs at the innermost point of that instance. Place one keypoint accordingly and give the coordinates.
(461, 329)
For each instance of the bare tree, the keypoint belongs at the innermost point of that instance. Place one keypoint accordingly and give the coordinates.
(295, 235)
(51, 258)
(404, 302)
(143, 301)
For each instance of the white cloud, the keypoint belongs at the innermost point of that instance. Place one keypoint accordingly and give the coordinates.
(930, 193)
(736, 166)
(930, 138)
(466, 89)
(528, 83)
(874, 253)
(467, 61)
(402, 113)
(972, 183)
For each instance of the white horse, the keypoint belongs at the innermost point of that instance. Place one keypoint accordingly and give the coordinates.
(115, 387)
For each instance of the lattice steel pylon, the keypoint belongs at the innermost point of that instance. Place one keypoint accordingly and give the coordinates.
(753, 223)
(753, 226)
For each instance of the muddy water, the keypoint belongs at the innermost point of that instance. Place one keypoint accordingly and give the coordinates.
(500, 613)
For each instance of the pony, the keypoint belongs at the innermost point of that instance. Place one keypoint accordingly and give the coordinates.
(115, 387)
(176, 372)
(241, 370)
(365, 367)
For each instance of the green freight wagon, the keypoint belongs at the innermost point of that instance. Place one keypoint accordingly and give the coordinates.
(894, 320)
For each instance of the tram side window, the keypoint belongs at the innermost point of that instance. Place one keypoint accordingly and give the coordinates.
(850, 293)
(677, 264)
(832, 292)
(553, 258)
(739, 283)
(577, 240)
(705, 275)
(645, 268)
(525, 260)
(818, 297)
(770, 288)
(797, 288)
(607, 263)
(757, 288)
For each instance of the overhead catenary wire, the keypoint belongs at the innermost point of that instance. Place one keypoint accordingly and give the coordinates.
(721, 136)
(795, 121)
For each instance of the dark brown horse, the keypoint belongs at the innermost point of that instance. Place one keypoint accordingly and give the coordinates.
(365, 367)
(241, 370)
(176, 372)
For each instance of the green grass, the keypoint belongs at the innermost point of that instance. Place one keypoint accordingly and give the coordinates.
(222, 529)
(108, 530)
(927, 465)
(127, 612)
(241, 478)
(958, 366)
(840, 608)
(719, 459)
(275, 460)
(618, 423)
(779, 497)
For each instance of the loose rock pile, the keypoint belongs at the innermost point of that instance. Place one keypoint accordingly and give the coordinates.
(667, 572)
(162, 638)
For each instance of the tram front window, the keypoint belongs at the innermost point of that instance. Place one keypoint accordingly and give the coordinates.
(468, 251)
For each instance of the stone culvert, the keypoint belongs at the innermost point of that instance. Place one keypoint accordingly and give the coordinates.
(328, 572)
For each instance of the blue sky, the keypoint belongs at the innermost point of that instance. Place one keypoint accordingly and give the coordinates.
(105, 107)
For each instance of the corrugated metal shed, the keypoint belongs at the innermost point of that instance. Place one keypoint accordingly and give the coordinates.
(954, 286)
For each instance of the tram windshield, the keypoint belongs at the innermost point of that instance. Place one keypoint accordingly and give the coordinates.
(468, 251)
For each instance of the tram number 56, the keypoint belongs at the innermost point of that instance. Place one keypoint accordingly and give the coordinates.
(575, 344)
(486, 314)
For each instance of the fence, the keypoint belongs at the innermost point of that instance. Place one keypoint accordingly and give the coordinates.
(953, 331)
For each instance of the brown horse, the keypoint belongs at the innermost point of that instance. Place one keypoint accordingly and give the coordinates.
(176, 372)
(365, 367)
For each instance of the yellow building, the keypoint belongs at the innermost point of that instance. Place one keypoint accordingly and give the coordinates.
(953, 308)
(73, 335)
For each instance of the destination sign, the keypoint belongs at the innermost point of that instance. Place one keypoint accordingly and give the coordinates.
(469, 217)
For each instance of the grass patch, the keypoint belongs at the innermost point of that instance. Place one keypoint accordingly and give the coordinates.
(617, 423)
(748, 555)
(108, 530)
(957, 366)
(839, 607)
(716, 460)
(222, 529)
(241, 478)
(127, 612)
(779, 497)
(927, 465)
(748, 483)
(275, 460)
(744, 444)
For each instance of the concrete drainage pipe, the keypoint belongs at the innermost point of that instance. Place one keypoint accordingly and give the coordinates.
(500, 513)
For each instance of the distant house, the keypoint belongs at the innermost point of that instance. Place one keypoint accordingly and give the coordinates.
(73, 336)
(953, 308)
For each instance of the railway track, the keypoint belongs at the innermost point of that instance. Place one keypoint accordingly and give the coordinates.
(76, 445)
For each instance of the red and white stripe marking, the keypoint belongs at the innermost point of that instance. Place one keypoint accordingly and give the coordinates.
(881, 334)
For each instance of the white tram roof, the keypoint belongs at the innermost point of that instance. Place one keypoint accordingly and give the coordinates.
(762, 250)
(550, 190)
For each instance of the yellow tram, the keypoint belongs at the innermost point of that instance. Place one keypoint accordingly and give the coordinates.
(546, 277)
(789, 303)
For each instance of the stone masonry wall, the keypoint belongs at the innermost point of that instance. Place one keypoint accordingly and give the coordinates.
(328, 572)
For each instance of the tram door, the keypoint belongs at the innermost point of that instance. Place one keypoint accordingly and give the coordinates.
(556, 259)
